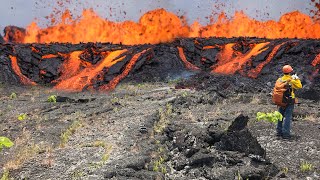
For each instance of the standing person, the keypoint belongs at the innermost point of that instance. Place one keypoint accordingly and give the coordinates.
(284, 97)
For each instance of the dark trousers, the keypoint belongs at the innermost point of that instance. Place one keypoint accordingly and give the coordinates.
(284, 126)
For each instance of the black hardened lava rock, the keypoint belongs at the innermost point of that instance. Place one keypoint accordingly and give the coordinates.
(209, 151)
(196, 63)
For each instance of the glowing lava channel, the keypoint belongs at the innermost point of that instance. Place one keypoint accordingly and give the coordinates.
(84, 78)
(316, 60)
(253, 73)
(227, 64)
(23, 79)
(185, 61)
(115, 81)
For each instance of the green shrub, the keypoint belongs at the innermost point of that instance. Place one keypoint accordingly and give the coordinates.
(5, 142)
(269, 117)
(5, 175)
(164, 118)
(306, 167)
(22, 116)
(52, 98)
(159, 166)
(13, 95)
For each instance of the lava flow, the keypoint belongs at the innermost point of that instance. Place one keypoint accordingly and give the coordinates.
(114, 82)
(15, 67)
(159, 37)
(255, 72)
(84, 78)
(229, 64)
(316, 60)
(185, 61)
(159, 26)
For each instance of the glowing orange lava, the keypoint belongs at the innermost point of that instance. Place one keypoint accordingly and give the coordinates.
(316, 60)
(255, 72)
(114, 82)
(229, 63)
(185, 61)
(24, 80)
(154, 27)
(161, 26)
(70, 67)
(48, 56)
(77, 81)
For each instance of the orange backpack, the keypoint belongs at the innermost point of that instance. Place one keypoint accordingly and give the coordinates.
(281, 94)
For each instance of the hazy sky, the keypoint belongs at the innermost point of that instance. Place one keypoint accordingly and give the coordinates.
(22, 12)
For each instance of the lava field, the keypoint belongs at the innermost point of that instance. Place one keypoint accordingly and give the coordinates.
(101, 66)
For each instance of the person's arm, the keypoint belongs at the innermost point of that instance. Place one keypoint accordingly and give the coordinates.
(296, 83)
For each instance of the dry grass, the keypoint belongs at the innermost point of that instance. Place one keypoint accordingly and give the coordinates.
(65, 136)
(106, 154)
(311, 117)
(255, 100)
(216, 112)
(190, 116)
(24, 150)
(103, 144)
(48, 161)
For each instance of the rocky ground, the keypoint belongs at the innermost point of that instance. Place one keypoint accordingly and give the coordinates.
(162, 130)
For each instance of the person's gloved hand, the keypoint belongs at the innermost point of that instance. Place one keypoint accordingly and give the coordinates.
(295, 76)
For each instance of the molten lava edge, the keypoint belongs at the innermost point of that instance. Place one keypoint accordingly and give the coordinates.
(98, 66)
(160, 26)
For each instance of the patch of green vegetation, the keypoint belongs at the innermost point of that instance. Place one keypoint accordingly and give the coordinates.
(159, 166)
(10, 107)
(13, 95)
(163, 118)
(157, 142)
(95, 165)
(141, 85)
(104, 159)
(97, 143)
(306, 167)
(269, 117)
(116, 109)
(239, 177)
(65, 136)
(52, 99)
(285, 170)
(5, 175)
(184, 94)
(106, 154)
(158, 163)
(115, 100)
(78, 174)
(174, 81)
(5, 142)
(22, 117)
